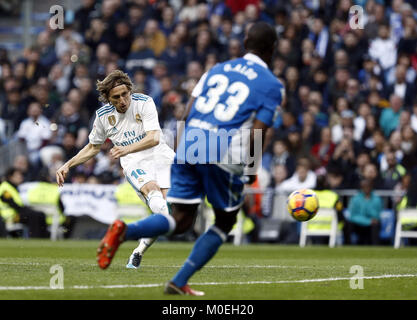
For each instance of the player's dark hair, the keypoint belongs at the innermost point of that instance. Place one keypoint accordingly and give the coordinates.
(261, 38)
(114, 79)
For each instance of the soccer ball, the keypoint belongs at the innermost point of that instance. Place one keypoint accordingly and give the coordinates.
(302, 204)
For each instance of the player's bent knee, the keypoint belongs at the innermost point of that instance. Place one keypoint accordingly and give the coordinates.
(184, 215)
(149, 187)
(225, 220)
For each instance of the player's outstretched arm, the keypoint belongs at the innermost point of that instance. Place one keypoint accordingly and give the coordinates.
(85, 154)
(151, 139)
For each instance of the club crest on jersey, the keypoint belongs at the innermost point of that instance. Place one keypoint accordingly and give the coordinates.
(138, 118)
(112, 120)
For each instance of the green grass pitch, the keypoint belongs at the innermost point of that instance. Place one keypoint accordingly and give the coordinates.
(248, 272)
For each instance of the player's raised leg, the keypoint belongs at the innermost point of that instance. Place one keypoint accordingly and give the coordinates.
(153, 226)
(156, 201)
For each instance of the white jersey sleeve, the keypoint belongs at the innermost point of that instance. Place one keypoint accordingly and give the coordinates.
(97, 134)
(150, 116)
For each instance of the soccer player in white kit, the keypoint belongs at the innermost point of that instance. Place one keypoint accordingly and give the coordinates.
(130, 121)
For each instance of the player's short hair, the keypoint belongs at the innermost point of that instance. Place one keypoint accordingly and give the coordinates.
(113, 79)
(261, 37)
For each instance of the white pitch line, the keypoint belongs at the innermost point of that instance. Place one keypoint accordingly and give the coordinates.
(152, 285)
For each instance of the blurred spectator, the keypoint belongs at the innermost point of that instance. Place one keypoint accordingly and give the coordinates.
(44, 94)
(347, 117)
(354, 49)
(375, 19)
(383, 48)
(14, 109)
(155, 38)
(83, 15)
(69, 146)
(335, 177)
(353, 94)
(65, 41)
(280, 155)
(359, 123)
(167, 24)
(338, 84)
(344, 158)
(408, 147)
(203, 46)
(296, 146)
(69, 120)
(319, 34)
(279, 175)
(122, 39)
(371, 172)
(174, 56)
(136, 18)
(12, 209)
(21, 162)
(96, 33)
(98, 66)
(34, 69)
(408, 41)
(401, 87)
(140, 57)
(323, 150)
(390, 116)
(303, 178)
(188, 12)
(369, 69)
(47, 50)
(364, 215)
(362, 160)
(311, 131)
(58, 78)
(410, 73)
(394, 173)
(35, 131)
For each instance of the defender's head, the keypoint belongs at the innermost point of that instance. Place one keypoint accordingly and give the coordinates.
(116, 89)
(260, 40)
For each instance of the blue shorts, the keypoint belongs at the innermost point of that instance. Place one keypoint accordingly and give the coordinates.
(191, 183)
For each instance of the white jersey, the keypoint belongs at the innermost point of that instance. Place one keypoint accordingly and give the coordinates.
(130, 127)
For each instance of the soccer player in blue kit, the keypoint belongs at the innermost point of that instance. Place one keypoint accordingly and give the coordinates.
(234, 96)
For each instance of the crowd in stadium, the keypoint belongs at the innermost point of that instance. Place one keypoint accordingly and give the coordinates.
(350, 110)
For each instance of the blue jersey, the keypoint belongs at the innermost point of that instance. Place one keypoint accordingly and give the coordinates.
(229, 98)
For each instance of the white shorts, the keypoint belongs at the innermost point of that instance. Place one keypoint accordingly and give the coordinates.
(156, 169)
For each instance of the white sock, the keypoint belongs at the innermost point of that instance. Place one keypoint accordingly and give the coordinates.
(157, 203)
(144, 244)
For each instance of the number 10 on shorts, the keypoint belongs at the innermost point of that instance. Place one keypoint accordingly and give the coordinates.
(138, 172)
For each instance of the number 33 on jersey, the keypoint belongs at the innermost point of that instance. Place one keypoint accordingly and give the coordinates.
(230, 97)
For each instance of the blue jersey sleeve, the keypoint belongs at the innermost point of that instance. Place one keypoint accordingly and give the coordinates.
(271, 104)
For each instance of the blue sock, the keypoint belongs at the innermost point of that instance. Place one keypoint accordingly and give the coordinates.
(152, 226)
(204, 249)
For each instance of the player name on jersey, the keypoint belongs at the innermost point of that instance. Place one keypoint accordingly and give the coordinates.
(242, 69)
